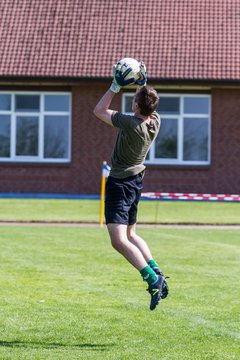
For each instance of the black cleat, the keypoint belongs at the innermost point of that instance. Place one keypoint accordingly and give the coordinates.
(155, 291)
(165, 285)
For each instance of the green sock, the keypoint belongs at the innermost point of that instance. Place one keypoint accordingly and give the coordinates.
(153, 265)
(148, 275)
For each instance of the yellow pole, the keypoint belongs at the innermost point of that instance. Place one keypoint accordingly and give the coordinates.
(103, 183)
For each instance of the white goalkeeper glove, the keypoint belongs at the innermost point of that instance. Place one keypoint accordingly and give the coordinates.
(120, 72)
(142, 80)
(115, 87)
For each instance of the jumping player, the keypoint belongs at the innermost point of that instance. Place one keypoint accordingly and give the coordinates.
(124, 185)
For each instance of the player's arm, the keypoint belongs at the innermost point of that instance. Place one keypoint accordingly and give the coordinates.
(102, 110)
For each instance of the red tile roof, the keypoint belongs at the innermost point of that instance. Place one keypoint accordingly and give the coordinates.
(177, 39)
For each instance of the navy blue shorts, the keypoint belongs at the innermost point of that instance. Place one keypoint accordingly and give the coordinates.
(122, 197)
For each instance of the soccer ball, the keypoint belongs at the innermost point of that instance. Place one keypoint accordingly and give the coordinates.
(129, 71)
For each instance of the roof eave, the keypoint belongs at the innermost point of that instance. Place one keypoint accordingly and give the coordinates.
(68, 80)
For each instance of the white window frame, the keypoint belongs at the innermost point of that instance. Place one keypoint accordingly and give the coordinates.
(40, 114)
(180, 118)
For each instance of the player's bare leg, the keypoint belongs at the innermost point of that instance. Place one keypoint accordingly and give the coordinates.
(138, 242)
(120, 242)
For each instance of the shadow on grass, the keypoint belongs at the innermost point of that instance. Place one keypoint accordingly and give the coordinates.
(87, 346)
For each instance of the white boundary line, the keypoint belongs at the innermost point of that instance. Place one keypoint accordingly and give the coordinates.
(142, 225)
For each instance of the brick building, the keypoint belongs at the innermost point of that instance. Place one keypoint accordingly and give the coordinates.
(56, 61)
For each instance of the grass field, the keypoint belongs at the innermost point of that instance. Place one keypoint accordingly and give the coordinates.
(149, 211)
(66, 294)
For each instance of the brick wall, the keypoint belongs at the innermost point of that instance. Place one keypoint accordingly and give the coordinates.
(92, 142)
(225, 169)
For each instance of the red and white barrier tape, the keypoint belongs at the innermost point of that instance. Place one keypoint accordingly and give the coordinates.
(190, 196)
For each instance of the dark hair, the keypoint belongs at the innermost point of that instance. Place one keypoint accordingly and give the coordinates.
(147, 100)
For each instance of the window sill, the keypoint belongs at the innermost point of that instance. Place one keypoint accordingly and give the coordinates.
(178, 166)
(34, 164)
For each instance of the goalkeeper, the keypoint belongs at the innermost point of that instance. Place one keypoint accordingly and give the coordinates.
(124, 185)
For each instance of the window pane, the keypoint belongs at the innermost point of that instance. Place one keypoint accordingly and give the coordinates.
(4, 135)
(27, 103)
(169, 105)
(56, 137)
(195, 139)
(5, 102)
(166, 142)
(27, 136)
(56, 103)
(128, 103)
(196, 105)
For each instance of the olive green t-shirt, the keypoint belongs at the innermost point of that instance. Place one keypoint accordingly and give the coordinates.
(133, 142)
